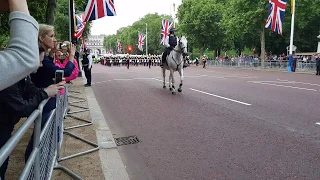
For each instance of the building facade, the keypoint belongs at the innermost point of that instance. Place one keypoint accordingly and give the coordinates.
(95, 44)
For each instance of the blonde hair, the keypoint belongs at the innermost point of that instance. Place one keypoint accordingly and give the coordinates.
(44, 30)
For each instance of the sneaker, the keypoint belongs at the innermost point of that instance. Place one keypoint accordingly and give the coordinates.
(87, 85)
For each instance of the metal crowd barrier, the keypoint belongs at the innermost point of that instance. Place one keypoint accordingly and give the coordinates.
(300, 66)
(45, 155)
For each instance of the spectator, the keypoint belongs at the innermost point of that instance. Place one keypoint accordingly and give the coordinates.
(19, 59)
(20, 100)
(62, 59)
(45, 75)
(318, 64)
(87, 66)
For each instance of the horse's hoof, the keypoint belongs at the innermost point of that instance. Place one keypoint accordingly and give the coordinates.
(179, 90)
(164, 87)
(170, 89)
(174, 93)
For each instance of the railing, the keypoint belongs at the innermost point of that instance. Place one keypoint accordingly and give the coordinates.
(46, 142)
(300, 66)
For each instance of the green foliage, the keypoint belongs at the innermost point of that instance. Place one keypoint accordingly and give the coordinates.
(219, 25)
(37, 9)
(62, 19)
(237, 24)
(200, 22)
(129, 35)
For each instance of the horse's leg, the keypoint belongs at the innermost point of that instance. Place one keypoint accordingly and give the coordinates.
(181, 79)
(164, 77)
(172, 82)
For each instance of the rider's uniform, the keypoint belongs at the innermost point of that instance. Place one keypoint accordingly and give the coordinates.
(170, 42)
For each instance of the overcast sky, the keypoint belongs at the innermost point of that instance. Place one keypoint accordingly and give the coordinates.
(129, 11)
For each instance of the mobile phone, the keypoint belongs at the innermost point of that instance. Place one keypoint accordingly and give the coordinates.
(58, 76)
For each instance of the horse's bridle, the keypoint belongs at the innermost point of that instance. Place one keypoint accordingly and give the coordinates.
(181, 48)
(181, 51)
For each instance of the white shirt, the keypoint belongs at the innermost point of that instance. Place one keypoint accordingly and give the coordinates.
(90, 60)
(166, 41)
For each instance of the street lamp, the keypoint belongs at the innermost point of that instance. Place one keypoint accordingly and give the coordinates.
(318, 51)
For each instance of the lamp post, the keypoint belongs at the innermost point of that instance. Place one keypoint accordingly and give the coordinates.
(146, 39)
(318, 50)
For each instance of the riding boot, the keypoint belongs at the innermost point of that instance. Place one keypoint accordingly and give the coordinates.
(163, 60)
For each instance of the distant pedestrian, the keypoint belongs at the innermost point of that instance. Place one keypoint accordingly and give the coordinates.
(87, 66)
(318, 64)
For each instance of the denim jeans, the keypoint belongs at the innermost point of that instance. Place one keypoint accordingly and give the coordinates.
(5, 135)
(45, 116)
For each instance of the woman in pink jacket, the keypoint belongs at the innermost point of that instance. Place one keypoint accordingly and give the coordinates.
(61, 61)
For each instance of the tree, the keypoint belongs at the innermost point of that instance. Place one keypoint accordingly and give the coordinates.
(244, 22)
(200, 21)
(62, 20)
(37, 9)
(129, 35)
(51, 11)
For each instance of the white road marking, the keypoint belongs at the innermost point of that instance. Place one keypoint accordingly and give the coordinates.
(247, 104)
(249, 77)
(295, 82)
(279, 85)
(122, 80)
(157, 79)
(318, 123)
(195, 76)
(131, 79)
(227, 73)
(101, 82)
(218, 77)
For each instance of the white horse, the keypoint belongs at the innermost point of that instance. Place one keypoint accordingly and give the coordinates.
(175, 63)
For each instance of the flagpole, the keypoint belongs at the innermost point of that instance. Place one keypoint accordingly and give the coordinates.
(146, 39)
(291, 37)
(70, 21)
(174, 15)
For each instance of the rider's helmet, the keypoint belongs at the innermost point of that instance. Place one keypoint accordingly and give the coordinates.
(172, 30)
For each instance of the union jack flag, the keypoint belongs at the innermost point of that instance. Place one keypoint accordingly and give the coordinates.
(119, 47)
(96, 9)
(276, 12)
(166, 25)
(83, 45)
(80, 25)
(141, 38)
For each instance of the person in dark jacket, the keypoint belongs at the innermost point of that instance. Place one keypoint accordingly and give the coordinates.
(170, 42)
(318, 64)
(17, 101)
(45, 74)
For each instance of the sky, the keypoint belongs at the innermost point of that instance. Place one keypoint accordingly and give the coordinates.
(129, 11)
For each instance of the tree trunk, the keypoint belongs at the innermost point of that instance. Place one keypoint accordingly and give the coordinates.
(201, 51)
(51, 11)
(263, 45)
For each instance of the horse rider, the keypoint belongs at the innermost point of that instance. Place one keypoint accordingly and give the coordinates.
(170, 42)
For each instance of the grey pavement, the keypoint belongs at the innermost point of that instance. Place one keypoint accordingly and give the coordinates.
(112, 165)
(226, 124)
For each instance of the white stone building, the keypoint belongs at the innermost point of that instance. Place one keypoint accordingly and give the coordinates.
(95, 44)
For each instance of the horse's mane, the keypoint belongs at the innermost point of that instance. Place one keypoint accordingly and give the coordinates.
(183, 39)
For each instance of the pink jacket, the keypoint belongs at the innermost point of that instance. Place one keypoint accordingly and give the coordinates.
(75, 71)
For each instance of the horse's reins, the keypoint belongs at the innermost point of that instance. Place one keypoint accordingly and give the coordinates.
(175, 60)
